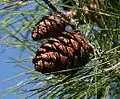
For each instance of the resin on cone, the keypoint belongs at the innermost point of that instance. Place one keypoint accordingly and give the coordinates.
(67, 51)
(49, 26)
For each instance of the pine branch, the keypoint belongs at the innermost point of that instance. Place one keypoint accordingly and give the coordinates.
(98, 78)
(51, 5)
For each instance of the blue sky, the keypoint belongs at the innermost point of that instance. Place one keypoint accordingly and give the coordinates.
(9, 69)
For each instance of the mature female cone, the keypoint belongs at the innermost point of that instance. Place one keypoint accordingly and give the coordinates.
(49, 26)
(64, 52)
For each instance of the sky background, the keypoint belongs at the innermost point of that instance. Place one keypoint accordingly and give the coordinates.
(7, 68)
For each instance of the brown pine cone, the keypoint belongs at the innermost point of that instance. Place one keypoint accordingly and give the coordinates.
(50, 26)
(64, 52)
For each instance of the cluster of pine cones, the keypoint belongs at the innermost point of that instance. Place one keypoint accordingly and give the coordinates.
(66, 50)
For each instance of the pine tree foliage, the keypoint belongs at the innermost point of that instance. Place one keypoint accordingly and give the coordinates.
(97, 20)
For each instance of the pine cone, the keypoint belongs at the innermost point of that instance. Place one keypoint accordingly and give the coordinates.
(64, 52)
(49, 26)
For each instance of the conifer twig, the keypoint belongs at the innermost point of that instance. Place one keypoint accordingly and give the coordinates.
(51, 5)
